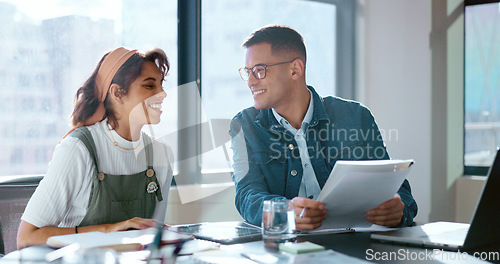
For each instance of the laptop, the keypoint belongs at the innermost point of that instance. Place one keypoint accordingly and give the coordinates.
(484, 230)
(226, 233)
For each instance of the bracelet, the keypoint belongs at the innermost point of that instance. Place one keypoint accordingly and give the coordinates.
(76, 229)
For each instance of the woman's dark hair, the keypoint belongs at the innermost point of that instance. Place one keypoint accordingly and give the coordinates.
(87, 98)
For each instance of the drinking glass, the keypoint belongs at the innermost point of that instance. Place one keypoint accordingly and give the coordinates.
(278, 222)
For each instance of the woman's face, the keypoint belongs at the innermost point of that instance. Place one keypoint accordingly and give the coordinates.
(145, 96)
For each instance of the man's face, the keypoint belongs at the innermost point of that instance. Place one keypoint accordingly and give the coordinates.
(270, 92)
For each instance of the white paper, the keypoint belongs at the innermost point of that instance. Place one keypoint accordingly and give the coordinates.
(234, 256)
(100, 239)
(357, 186)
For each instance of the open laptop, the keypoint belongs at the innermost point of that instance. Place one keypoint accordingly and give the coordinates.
(484, 230)
(227, 233)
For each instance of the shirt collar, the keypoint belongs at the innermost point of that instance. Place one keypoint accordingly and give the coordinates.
(266, 119)
(307, 117)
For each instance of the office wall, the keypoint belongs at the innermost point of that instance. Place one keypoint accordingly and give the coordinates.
(395, 82)
(217, 204)
(410, 76)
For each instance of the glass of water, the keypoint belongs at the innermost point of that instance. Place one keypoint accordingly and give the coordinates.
(278, 222)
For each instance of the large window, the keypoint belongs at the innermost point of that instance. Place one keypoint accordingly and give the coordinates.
(482, 85)
(226, 24)
(49, 48)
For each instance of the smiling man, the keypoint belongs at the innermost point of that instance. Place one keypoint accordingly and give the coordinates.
(287, 144)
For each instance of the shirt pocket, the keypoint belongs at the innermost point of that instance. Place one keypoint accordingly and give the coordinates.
(270, 170)
(353, 151)
(262, 157)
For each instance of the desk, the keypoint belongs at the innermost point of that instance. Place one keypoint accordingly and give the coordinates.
(352, 244)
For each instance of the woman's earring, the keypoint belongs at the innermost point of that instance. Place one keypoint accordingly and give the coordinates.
(120, 92)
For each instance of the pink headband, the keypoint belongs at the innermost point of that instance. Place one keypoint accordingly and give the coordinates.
(105, 75)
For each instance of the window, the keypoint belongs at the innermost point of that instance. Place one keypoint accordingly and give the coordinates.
(50, 48)
(482, 85)
(226, 24)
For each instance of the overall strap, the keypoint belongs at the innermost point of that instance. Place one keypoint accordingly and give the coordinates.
(84, 135)
(148, 148)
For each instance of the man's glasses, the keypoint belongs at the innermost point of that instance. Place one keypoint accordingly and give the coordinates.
(258, 71)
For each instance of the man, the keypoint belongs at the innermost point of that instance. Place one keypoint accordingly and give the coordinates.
(287, 144)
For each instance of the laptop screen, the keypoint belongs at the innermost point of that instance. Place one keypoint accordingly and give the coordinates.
(484, 229)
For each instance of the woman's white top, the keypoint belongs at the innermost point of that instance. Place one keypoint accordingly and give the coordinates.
(63, 195)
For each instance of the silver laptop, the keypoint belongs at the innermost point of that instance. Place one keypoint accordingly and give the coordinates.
(484, 230)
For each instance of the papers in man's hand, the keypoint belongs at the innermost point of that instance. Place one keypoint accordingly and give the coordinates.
(120, 241)
(357, 186)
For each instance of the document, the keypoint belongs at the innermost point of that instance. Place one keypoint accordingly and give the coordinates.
(258, 254)
(120, 241)
(357, 186)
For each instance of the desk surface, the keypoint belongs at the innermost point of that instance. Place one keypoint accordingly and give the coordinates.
(357, 245)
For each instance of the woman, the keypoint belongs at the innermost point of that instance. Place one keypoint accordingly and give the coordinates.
(106, 175)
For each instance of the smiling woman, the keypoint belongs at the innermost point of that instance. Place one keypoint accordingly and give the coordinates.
(126, 173)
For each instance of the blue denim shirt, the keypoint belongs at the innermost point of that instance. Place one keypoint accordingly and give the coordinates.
(267, 162)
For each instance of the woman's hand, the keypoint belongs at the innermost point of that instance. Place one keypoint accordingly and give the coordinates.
(30, 235)
(134, 223)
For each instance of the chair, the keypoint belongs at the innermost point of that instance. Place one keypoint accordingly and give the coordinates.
(14, 195)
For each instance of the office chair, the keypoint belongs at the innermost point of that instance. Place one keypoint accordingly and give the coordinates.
(14, 195)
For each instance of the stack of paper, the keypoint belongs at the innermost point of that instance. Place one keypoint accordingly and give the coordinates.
(120, 241)
(354, 187)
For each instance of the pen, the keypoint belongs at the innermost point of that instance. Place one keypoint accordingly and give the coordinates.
(176, 252)
(304, 209)
(155, 245)
(303, 212)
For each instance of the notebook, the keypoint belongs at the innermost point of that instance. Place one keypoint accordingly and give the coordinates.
(483, 231)
(346, 208)
(120, 241)
(221, 232)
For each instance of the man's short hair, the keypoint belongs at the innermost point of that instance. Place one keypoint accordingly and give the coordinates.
(282, 38)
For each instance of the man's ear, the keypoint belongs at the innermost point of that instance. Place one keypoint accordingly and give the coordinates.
(116, 92)
(298, 68)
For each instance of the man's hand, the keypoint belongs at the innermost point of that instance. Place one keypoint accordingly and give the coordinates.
(313, 216)
(388, 213)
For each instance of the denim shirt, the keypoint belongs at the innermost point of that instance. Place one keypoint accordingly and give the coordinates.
(267, 162)
(309, 186)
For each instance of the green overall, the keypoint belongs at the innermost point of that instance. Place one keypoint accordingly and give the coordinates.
(116, 198)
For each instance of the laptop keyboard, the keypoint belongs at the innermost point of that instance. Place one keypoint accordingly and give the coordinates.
(455, 237)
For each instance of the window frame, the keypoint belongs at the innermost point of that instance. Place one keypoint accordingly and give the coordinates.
(189, 49)
(471, 170)
(189, 70)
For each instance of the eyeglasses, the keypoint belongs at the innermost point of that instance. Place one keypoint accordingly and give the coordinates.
(258, 71)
